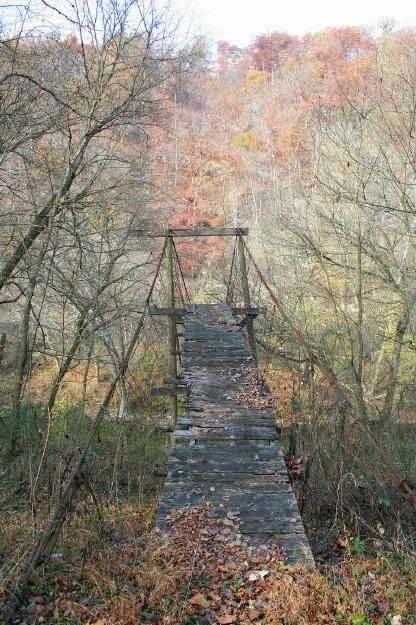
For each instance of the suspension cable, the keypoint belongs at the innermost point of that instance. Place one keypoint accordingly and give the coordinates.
(313, 357)
(180, 270)
(179, 288)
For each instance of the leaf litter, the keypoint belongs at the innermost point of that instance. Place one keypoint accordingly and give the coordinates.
(204, 571)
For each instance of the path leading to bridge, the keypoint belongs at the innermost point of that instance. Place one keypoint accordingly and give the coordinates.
(225, 450)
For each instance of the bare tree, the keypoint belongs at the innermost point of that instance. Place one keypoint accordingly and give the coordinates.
(81, 95)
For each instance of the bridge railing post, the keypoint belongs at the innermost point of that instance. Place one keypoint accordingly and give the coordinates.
(173, 369)
(246, 296)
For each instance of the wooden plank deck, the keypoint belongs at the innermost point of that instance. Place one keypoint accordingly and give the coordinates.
(225, 450)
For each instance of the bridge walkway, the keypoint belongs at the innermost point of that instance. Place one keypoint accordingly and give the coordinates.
(225, 450)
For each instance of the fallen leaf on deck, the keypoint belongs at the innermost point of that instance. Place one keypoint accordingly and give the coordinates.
(232, 515)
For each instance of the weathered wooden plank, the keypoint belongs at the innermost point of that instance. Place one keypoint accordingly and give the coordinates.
(230, 408)
(248, 515)
(254, 468)
(228, 316)
(228, 359)
(252, 473)
(257, 442)
(227, 489)
(241, 450)
(227, 458)
(228, 419)
(219, 362)
(235, 357)
(250, 466)
(224, 434)
(226, 454)
(281, 501)
(203, 421)
(189, 232)
(174, 381)
(295, 546)
(272, 526)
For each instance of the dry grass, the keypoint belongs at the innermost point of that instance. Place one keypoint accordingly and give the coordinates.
(200, 574)
(357, 592)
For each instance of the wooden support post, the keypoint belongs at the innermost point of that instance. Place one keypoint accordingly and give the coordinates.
(173, 370)
(246, 296)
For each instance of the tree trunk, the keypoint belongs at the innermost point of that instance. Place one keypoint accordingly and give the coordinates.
(123, 408)
(359, 367)
(21, 368)
(63, 369)
(401, 328)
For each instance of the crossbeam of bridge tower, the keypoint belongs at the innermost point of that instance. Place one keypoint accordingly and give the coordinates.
(189, 232)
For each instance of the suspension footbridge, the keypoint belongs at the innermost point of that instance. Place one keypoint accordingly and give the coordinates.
(225, 452)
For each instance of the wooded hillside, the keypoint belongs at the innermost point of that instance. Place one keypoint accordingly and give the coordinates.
(111, 122)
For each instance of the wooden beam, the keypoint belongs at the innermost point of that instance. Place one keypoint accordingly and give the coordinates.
(174, 381)
(248, 311)
(179, 312)
(186, 232)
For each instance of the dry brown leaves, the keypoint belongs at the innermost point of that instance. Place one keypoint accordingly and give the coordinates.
(296, 466)
(204, 572)
(255, 395)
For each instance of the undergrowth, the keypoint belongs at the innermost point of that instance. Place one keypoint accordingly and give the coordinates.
(109, 568)
(203, 572)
